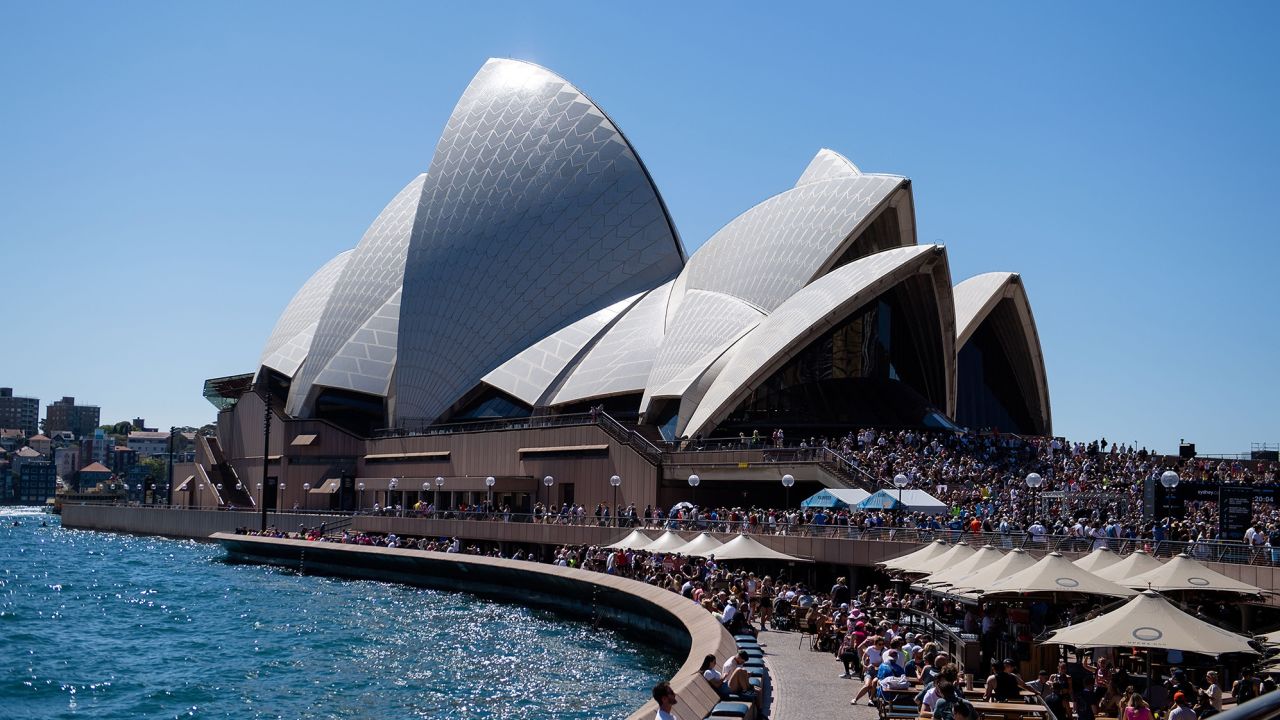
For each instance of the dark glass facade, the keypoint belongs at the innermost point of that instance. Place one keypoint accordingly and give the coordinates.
(882, 365)
(990, 366)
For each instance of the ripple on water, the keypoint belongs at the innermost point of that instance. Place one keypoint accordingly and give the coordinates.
(113, 627)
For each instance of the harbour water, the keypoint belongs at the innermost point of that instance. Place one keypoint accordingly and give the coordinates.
(105, 627)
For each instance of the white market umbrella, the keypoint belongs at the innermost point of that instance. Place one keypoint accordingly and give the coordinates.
(665, 543)
(635, 540)
(1016, 560)
(1135, 563)
(701, 546)
(984, 556)
(953, 555)
(932, 550)
(1150, 621)
(1055, 574)
(745, 547)
(1185, 573)
(1098, 559)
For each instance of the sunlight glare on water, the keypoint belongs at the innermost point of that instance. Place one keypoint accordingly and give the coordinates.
(105, 627)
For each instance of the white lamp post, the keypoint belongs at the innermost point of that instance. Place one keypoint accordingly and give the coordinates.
(392, 487)
(1034, 481)
(489, 483)
(694, 482)
(1170, 479)
(548, 481)
(787, 482)
(900, 481)
(439, 484)
(426, 486)
(615, 481)
(360, 506)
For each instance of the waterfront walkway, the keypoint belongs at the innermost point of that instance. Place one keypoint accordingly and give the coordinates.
(807, 684)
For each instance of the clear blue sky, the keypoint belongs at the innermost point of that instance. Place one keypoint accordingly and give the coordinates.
(170, 173)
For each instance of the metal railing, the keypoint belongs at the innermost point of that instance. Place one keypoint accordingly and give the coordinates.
(539, 421)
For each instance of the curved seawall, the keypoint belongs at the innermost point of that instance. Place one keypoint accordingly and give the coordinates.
(664, 618)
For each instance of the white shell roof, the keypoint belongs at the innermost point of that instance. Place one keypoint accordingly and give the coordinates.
(291, 338)
(535, 214)
(757, 261)
(827, 164)
(620, 361)
(807, 314)
(366, 361)
(371, 277)
(976, 298)
(530, 374)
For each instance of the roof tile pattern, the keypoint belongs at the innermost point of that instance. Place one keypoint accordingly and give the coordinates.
(535, 214)
(530, 374)
(757, 261)
(367, 359)
(809, 312)
(372, 275)
(620, 361)
(291, 338)
(827, 164)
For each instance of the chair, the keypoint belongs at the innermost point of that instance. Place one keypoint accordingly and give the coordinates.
(804, 627)
(730, 709)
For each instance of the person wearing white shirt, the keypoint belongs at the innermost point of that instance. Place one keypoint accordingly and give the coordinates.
(730, 611)
(666, 699)
(734, 662)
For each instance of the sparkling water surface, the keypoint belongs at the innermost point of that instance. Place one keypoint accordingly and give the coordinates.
(103, 627)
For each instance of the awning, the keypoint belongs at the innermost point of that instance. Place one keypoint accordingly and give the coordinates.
(1135, 563)
(633, 541)
(1184, 573)
(562, 449)
(408, 455)
(304, 440)
(745, 547)
(703, 545)
(1150, 621)
(1055, 574)
(327, 487)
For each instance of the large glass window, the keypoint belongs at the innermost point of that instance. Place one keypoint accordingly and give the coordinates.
(989, 395)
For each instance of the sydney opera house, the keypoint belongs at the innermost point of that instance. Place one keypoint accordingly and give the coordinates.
(522, 320)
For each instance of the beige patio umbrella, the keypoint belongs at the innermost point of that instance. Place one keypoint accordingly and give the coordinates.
(744, 547)
(1150, 621)
(931, 550)
(1098, 559)
(1016, 560)
(634, 540)
(1135, 563)
(1055, 574)
(953, 555)
(701, 546)
(1185, 573)
(984, 556)
(665, 543)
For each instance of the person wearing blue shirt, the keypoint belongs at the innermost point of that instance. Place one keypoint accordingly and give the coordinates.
(889, 668)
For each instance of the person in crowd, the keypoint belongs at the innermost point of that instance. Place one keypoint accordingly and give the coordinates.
(1003, 684)
(737, 685)
(950, 699)
(1182, 709)
(1058, 702)
(1041, 684)
(1136, 708)
(666, 699)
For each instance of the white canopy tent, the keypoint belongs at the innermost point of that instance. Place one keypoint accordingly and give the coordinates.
(985, 555)
(953, 555)
(1098, 559)
(932, 550)
(1135, 563)
(701, 546)
(635, 540)
(1185, 573)
(1056, 574)
(1150, 621)
(744, 547)
(665, 543)
(1014, 561)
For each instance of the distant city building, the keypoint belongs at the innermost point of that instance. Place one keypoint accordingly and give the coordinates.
(97, 446)
(11, 439)
(22, 456)
(37, 482)
(122, 459)
(62, 437)
(7, 489)
(19, 412)
(149, 443)
(141, 424)
(67, 462)
(92, 474)
(65, 414)
(40, 444)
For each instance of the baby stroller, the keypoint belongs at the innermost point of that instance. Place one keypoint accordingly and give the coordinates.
(782, 619)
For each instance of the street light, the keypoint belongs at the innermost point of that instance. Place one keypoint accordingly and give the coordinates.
(694, 482)
(280, 504)
(900, 481)
(360, 487)
(219, 486)
(426, 485)
(391, 487)
(1034, 481)
(548, 481)
(488, 482)
(615, 481)
(439, 484)
(1170, 479)
(787, 482)
(199, 492)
